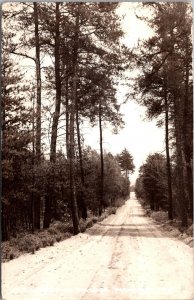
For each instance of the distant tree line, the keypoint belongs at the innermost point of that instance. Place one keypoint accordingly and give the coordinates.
(165, 88)
(75, 59)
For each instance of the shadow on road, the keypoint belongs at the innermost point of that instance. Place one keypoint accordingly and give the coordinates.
(130, 230)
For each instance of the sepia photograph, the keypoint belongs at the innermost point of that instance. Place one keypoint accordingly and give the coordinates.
(97, 151)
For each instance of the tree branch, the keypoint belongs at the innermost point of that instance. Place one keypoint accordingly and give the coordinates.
(24, 55)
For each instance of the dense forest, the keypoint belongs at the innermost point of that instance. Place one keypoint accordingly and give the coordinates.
(73, 53)
(61, 65)
(166, 90)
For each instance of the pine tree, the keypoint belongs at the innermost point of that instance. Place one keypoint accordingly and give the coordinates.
(16, 138)
(165, 85)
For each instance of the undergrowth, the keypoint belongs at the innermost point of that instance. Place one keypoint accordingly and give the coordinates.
(58, 231)
(174, 226)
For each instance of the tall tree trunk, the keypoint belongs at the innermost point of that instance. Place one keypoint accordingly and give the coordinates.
(81, 203)
(38, 113)
(180, 163)
(50, 187)
(4, 213)
(38, 84)
(33, 176)
(74, 208)
(101, 204)
(187, 134)
(57, 85)
(67, 115)
(168, 164)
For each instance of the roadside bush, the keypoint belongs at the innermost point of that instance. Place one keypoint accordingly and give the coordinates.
(58, 231)
(101, 218)
(175, 232)
(29, 243)
(9, 252)
(53, 230)
(13, 241)
(159, 216)
(70, 229)
(89, 223)
(111, 210)
(82, 225)
(94, 219)
(46, 238)
(11, 255)
(60, 226)
(190, 231)
(66, 235)
(119, 202)
(58, 237)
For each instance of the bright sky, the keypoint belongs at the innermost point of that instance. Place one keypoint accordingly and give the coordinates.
(140, 137)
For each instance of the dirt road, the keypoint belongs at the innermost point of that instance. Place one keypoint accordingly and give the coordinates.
(125, 257)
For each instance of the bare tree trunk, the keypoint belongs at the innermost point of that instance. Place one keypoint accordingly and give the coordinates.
(50, 187)
(168, 164)
(67, 116)
(180, 164)
(4, 214)
(101, 162)
(38, 113)
(38, 84)
(58, 87)
(81, 203)
(74, 208)
(33, 178)
(187, 134)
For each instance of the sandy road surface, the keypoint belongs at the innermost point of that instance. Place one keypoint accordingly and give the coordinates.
(124, 257)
